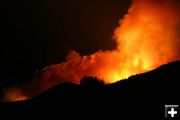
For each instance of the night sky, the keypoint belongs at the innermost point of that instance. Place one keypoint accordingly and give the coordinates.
(38, 33)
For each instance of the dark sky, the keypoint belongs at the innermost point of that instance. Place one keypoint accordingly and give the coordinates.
(37, 33)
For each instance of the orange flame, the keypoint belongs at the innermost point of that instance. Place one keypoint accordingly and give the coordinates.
(14, 94)
(145, 40)
(147, 37)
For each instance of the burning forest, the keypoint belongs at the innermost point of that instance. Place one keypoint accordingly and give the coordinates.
(148, 36)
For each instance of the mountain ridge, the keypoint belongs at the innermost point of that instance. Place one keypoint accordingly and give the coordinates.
(149, 91)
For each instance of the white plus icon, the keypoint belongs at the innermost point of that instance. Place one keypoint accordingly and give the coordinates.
(172, 112)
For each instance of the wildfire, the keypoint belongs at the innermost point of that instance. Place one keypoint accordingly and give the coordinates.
(14, 94)
(147, 37)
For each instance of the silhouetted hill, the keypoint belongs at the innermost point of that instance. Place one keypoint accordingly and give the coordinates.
(161, 83)
(148, 91)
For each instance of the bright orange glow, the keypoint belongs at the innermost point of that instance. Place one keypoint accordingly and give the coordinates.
(14, 94)
(147, 37)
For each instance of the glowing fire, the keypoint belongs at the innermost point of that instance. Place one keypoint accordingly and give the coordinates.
(147, 37)
(14, 94)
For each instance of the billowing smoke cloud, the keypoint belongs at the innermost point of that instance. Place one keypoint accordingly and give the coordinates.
(147, 37)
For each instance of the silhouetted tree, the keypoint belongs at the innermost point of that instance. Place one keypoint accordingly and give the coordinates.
(92, 83)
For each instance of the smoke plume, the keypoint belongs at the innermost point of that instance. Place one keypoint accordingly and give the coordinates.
(147, 37)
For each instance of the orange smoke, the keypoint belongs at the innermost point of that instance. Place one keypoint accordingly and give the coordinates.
(147, 37)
